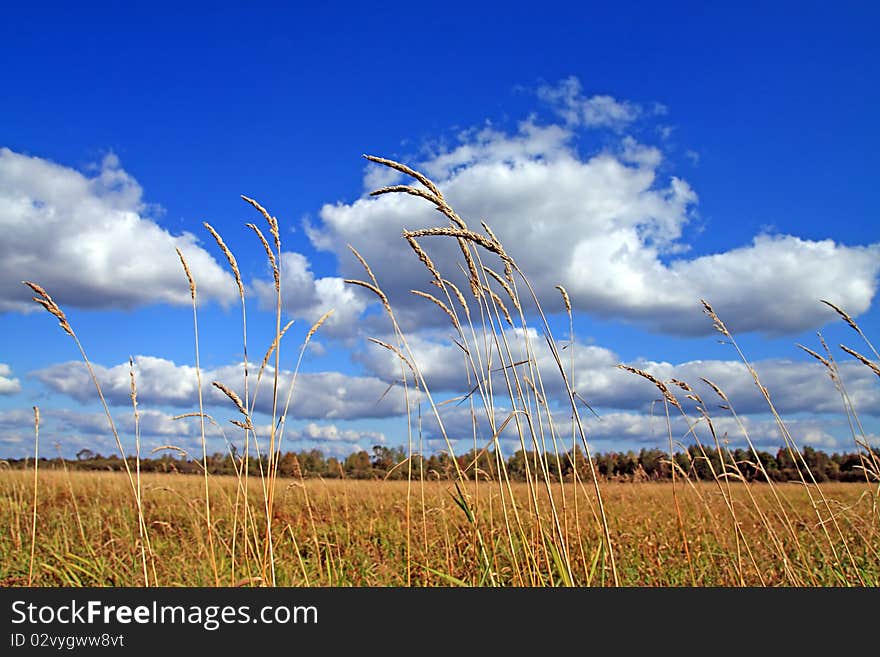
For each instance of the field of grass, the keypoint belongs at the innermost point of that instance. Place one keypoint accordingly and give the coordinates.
(356, 533)
(722, 529)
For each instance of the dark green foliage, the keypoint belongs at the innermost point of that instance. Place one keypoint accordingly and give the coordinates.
(392, 463)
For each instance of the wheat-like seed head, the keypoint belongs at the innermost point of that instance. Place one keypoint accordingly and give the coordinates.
(440, 304)
(565, 298)
(818, 357)
(185, 415)
(397, 352)
(470, 235)
(843, 314)
(272, 221)
(681, 384)
(657, 382)
(51, 307)
(717, 324)
(412, 173)
(426, 260)
(500, 304)
(718, 391)
(503, 283)
(474, 280)
(408, 189)
(275, 273)
(133, 385)
(459, 296)
(189, 277)
(374, 289)
(231, 394)
(229, 257)
(855, 354)
(323, 318)
(508, 263)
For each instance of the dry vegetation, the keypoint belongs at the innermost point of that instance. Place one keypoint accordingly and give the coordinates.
(104, 529)
(355, 533)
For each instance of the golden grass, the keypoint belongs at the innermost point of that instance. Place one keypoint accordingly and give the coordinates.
(354, 533)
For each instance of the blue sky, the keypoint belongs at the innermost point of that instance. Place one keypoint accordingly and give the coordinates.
(643, 157)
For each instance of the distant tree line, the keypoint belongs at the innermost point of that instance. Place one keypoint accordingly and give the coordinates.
(392, 463)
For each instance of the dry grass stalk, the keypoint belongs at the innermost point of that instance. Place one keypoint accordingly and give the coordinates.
(323, 318)
(657, 382)
(843, 314)
(855, 354)
(233, 264)
(412, 173)
(364, 264)
(565, 298)
(503, 283)
(231, 394)
(275, 273)
(273, 346)
(408, 189)
(474, 279)
(508, 267)
(426, 260)
(398, 353)
(36, 467)
(500, 304)
(189, 276)
(681, 384)
(372, 288)
(46, 301)
(718, 391)
(440, 304)
(458, 295)
(717, 324)
(463, 233)
(272, 221)
(818, 357)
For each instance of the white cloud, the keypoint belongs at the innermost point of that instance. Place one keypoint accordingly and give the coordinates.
(8, 384)
(308, 297)
(330, 433)
(796, 386)
(599, 111)
(317, 395)
(605, 226)
(17, 418)
(89, 240)
(653, 431)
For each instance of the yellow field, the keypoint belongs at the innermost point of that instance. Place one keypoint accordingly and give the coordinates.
(373, 533)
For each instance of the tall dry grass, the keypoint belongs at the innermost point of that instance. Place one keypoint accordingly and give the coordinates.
(485, 529)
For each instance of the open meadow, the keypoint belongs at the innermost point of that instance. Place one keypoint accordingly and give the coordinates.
(723, 518)
(398, 533)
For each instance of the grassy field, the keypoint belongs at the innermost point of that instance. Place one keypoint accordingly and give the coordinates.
(725, 529)
(366, 533)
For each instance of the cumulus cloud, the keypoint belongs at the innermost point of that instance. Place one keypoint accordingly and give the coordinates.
(652, 430)
(605, 225)
(308, 297)
(599, 111)
(796, 386)
(316, 395)
(8, 384)
(330, 433)
(89, 239)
